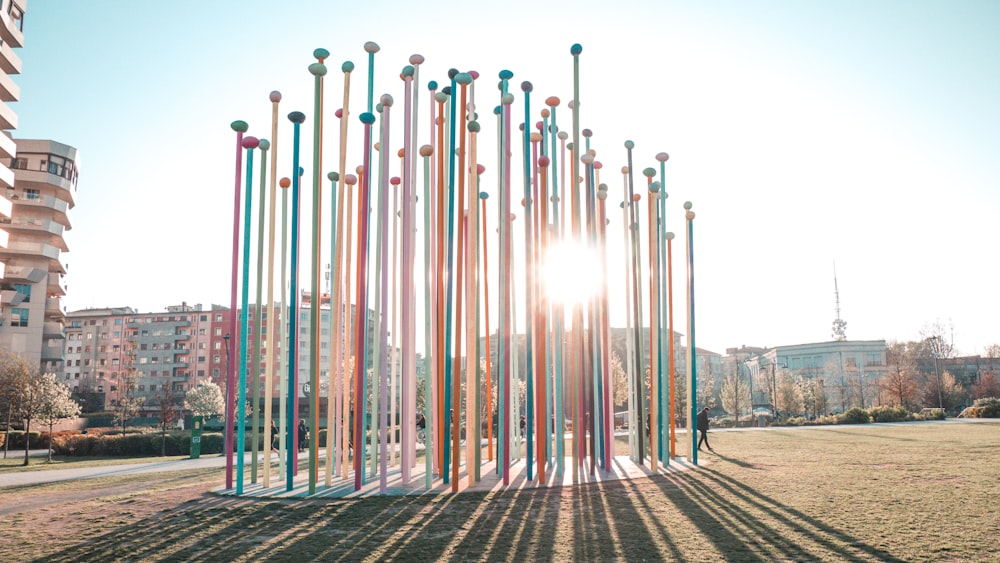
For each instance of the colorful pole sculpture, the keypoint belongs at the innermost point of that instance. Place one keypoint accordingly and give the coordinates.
(333, 423)
(275, 97)
(692, 351)
(240, 127)
(654, 308)
(666, 390)
(425, 152)
(283, 430)
(483, 196)
(258, 340)
(318, 70)
(670, 353)
(341, 304)
(249, 143)
(361, 304)
(297, 118)
(636, 304)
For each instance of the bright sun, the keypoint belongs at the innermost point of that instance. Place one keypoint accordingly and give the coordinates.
(572, 273)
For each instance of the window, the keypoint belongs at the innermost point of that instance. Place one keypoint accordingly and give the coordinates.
(25, 290)
(218, 331)
(215, 359)
(18, 317)
(32, 193)
(218, 318)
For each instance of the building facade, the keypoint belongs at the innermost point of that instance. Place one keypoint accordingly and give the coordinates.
(171, 352)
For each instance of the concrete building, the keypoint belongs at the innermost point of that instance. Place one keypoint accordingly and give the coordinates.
(44, 190)
(847, 370)
(172, 351)
(37, 190)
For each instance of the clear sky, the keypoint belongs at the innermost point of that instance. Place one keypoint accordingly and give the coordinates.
(862, 133)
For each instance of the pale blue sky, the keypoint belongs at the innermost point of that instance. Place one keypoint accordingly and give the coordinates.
(861, 132)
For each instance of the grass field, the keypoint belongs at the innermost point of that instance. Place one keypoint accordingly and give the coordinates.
(903, 492)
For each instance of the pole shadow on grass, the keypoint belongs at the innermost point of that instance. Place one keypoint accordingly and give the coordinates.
(728, 512)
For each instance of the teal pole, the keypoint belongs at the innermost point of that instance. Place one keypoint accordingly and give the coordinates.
(249, 143)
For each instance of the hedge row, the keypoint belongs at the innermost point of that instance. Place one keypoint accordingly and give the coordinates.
(858, 415)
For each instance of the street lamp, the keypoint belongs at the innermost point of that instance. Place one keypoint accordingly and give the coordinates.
(937, 372)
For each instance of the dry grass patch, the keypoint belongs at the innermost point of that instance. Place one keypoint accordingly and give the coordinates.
(906, 492)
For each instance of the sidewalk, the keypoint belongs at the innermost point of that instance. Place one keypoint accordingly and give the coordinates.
(22, 478)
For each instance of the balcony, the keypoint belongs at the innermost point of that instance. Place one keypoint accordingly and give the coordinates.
(58, 206)
(11, 20)
(52, 353)
(6, 207)
(7, 147)
(8, 119)
(55, 286)
(37, 226)
(9, 61)
(25, 273)
(53, 330)
(53, 309)
(10, 297)
(9, 91)
(43, 180)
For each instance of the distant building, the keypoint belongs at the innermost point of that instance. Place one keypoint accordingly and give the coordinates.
(177, 349)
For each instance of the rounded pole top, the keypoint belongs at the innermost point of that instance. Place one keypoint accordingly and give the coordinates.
(371, 47)
(687, 205)
(386, 101)
(506, 75)
(426, 150)
(408, 72)
(484, 195)
(275, 96)
(284, 182)
(350, 179)
(669, 235)
(367, 118)
(576, 49)
(662, 156)
(552, 101)
(416, 59)
(649, 172)
(250, 142)
(480, 169)
(333, 176)
(297, 117)
(239, 126)
(321, 54)
(463, 78)
(587, 133)
(474, 126)
(526, 86)
(317, 69)
(265, 144)
(629, 145)
(347, 67)
(543, 161)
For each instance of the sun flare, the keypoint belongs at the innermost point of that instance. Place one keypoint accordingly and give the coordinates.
(572, 273)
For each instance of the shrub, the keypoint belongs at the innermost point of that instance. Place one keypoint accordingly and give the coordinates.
(856, 415)
(889, 414)
(984, 408)
(930, 414)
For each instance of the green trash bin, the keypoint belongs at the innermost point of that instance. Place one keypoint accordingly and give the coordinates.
(196, 423)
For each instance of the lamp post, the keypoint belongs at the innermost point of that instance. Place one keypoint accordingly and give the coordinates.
(937, 372)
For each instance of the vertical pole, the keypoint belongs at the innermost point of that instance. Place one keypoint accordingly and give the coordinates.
(258, 339)
(275, 97)
(692, 351)
(297, 118)
(318, 70)
(249, 143)
(240, 127)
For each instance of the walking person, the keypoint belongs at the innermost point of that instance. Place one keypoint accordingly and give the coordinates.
(702, 423)
(274, 437)
(303, 435)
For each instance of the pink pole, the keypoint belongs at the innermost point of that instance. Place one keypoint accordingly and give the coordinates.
(240, 127)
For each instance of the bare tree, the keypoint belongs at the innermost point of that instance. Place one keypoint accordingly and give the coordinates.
(789, 394)
(987, 386)
(735, 395)
(168, 412)
(57, 404)
(129, 402)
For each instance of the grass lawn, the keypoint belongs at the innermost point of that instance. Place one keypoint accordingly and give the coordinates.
(902, 492)
(15, 462)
